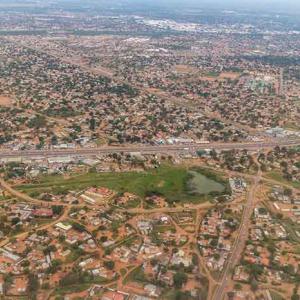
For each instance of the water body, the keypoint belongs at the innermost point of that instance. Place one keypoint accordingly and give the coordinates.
(202, 185)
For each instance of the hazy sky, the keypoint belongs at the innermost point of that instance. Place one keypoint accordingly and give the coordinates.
(271, 5)
(291, 6)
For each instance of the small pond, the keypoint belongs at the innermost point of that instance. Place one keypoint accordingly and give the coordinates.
(202, 185)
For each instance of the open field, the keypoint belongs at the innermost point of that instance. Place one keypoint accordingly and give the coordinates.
(185, 69)
(168, 181)
(211, 76)
(229, 75)
(5, 101)
(292, 126)
(278, 177)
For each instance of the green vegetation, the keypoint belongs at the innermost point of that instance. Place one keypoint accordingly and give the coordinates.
(180, 279)
(74, 255)
(279, 177)
(109, 264)
(136, 274)
(178, 295)
(275, 296)
(77, 279)
(38, 121)
(212, 74)
(127, 241)
(205, 182)
(200, 184)
(163, 228)
(73, 288)
(123, 272)
(167, 181)
(292, 126)
(291, 228)
(33, 285)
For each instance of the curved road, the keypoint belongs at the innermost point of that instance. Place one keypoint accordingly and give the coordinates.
(26, 197)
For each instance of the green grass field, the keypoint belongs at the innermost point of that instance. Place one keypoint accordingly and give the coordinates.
(212, 74)
(169, 181)
(275, 296)
(278, 177)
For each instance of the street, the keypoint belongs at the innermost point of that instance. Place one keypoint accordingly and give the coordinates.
(146, 149)
(240, 240)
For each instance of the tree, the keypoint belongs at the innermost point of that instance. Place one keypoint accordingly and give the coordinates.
(54, 140)
(230, 295)
(179, 279)
(109, 264)
(25, 263)
(254, 285)
(153, 262)
(50, 248)
(262, 211)
(79, 227)
(57, 209)
(179, 295)
(92, 124)
(288, 192)
(61, 238)
(214, 243)
(255, 270)
(103, 238)
(37, 122)
(33, 284)
(46, 286)
(107, 251)
(216, 256)
(15, 220)
(55, 265)
(195, 259)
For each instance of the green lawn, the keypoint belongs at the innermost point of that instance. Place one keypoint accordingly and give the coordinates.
(278, 177)
(169, 181)
(212, 74)
(291, 229)
(292, 126)
(163, 228)
(136, 274)
(275, 296)
(173, 294)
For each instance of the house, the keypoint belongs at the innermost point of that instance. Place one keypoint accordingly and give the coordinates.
(181, 258)
(113, 295)
(152, 290)
(145, 226)
(43, 213)
(137, 297)
(261, 213)
(62, 226)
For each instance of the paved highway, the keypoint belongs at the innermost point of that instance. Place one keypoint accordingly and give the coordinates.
(145, 149)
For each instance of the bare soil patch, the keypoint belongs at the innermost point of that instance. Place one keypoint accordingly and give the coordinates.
(5, 101)
(206, 78)
(185, 69)
(229, 75)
